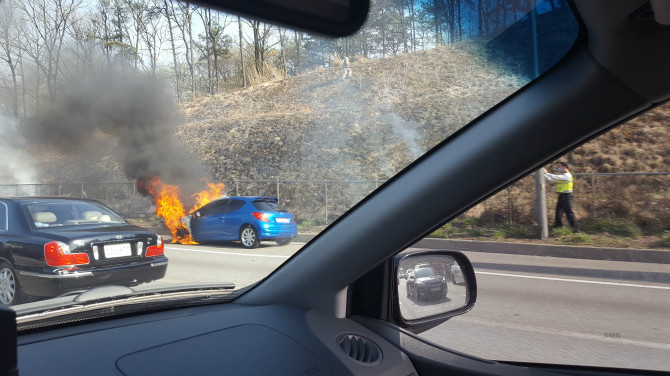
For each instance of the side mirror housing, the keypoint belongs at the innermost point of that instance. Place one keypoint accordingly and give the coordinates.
(444, 288)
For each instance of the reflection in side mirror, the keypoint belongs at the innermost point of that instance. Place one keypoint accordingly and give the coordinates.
(439, 285)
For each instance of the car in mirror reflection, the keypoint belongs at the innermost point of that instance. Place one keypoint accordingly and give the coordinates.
(437, 284)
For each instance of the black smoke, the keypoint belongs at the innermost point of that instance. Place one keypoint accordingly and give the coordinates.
(132, 120)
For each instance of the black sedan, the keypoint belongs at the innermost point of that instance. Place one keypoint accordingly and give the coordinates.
(424, 283)
(51, 246)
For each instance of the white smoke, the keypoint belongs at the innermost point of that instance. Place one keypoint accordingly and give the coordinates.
(16, 164)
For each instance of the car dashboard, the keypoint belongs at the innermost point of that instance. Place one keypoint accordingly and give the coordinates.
(219, 339)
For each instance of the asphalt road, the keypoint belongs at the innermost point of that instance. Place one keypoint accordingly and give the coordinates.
(529, 308)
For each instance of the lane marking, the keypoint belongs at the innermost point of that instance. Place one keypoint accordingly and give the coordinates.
(576, 280)
(226, 253)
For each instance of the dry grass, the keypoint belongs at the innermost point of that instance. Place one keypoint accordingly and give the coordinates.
(318, 126)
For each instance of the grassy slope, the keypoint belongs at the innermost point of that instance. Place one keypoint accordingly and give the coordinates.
(317, 126)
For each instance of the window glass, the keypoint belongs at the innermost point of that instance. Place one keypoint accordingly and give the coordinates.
(216, 207)
(3, 216)
(595, 291)
(267, 206)
(161, 109)
(56, 214)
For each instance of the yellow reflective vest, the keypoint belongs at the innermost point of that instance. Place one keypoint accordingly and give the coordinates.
(564, 186)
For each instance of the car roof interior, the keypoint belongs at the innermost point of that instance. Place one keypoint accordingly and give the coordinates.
(343, 272)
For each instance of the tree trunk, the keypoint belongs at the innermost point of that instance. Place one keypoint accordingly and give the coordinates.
(244, 75)
(174, 51)
(283, 56)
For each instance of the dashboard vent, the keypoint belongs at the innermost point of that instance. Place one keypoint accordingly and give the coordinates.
(360, 349)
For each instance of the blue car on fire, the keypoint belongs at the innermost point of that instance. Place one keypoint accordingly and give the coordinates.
(246, 219)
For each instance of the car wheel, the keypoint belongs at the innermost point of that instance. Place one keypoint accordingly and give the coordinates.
(283, 241)
(249, 237)
(9, 285)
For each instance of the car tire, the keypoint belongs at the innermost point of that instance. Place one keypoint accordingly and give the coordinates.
(249, 237)
(283, 241)
(9, 286)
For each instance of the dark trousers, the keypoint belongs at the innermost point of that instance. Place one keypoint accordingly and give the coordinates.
(564, 205)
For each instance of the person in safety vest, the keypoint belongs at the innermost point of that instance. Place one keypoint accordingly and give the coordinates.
(564, 190)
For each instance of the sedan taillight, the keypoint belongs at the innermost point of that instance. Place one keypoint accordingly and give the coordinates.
(58, 254)
(156, 250)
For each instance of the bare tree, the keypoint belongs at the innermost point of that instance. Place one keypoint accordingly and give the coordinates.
(244, 76)
(169, 16)
(9, 51)
(49, 21)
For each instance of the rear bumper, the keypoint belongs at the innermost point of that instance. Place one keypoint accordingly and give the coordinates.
(271, 231)
(54, 282)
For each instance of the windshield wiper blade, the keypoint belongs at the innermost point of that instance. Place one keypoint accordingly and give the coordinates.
(104, 297)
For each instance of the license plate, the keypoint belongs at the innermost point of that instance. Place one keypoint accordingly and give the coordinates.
(117, 250)
(282, 220)
(435, 289)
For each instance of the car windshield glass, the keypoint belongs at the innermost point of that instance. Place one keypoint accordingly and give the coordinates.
(50, 214)
(424, 272)
(157, 108)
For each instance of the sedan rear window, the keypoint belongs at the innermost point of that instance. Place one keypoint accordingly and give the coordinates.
(267, 206)
(55, 214)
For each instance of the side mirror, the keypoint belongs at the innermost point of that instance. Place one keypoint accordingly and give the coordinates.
(443, 286)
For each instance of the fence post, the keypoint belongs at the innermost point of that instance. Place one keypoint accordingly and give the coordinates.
(82, 190)
(593, 197)
(509, 204)
(326, 184)
(237, 188)
(278, 190)
(106, 196)
(134, 192)
(59, 193)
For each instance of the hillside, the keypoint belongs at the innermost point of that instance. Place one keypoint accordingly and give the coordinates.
(319, 126)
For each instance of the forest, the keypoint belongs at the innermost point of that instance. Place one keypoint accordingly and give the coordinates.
(46, 45)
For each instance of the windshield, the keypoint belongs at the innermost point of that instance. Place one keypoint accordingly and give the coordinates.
(424, 272)
(157, 108)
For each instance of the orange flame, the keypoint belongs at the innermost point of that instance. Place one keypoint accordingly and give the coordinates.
(170, 207)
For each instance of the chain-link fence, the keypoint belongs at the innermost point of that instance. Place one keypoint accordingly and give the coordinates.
(318, 201)
(643, 198)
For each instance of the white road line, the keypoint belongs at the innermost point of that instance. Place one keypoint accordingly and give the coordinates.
(576, 280)
(227, 253)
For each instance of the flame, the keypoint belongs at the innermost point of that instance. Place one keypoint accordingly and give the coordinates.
(307, 109)
(170, 207)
